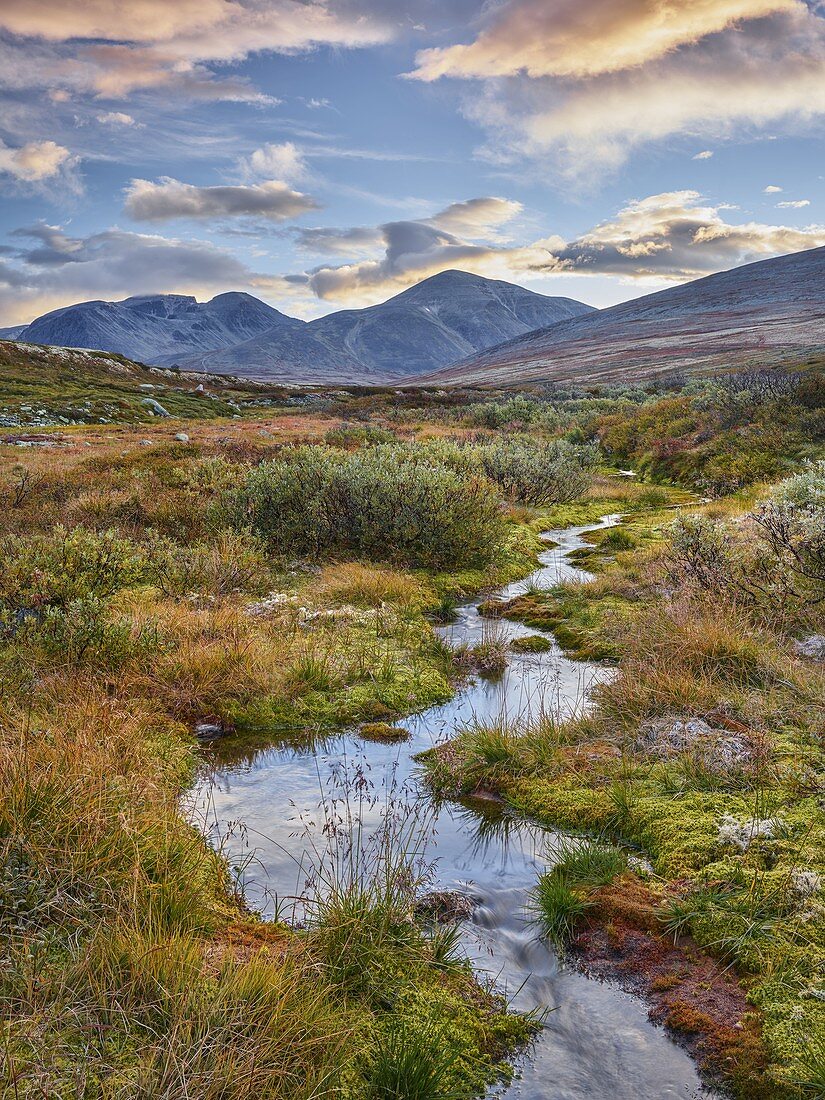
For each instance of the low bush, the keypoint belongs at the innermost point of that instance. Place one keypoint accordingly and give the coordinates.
(532, 472)
(388, 503)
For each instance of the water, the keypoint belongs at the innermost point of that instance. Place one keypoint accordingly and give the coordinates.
(260, 800)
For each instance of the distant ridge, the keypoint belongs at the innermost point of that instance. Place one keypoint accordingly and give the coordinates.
(427, 327)
(765, 313)
(161, 329)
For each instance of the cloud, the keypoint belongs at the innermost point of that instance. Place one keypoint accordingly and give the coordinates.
(476, 217)
(572, 39)
(580, 86)
(115, 118)
(57, 270)
(672, 236)
(669, 237)
(272, 200)
(796, 204)
(156, 44)
(772, 189)
(283, 162)
(34, 162)
(706, 154)
(355, 241)
(464, 234)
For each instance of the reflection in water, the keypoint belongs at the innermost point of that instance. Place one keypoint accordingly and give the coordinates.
(265, 801)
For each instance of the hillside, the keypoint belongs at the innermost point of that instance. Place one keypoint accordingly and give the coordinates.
(432, 325)
(765, 313)
(45, 386)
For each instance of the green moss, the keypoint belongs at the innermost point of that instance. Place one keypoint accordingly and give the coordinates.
(383, 731)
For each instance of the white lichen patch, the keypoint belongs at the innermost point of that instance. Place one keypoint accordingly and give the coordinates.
(741, 834)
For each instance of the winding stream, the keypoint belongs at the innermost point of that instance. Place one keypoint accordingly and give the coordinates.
(263, 797)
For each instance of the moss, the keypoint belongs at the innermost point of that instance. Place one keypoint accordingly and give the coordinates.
(383, 731)
(564, 803)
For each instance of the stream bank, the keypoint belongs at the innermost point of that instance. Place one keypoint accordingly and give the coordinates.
(596, 1039)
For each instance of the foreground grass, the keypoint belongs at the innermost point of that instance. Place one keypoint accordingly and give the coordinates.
(131, 610)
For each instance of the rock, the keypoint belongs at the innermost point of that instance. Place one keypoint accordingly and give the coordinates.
(146, 443)
(182, 437)
(154, 406)
(444, 906)
(741, 834)
(718, 749)
(812, 647)
(804, 884)
(209, 731)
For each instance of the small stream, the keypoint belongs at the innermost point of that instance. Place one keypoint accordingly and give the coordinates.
(260, 799)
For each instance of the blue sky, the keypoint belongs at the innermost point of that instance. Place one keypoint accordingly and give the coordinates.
(323, 155)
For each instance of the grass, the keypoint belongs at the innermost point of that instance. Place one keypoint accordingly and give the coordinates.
(135, 602)
(558, 907)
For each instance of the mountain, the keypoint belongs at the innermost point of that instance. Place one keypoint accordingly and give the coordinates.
(11, 333)
(768, 312)
(157, 328)
(432, 325)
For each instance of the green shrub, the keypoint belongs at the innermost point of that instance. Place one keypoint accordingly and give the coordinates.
(531, 472)
(387, 503)
(47, 571)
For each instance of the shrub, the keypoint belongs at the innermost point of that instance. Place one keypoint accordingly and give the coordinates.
(232, 561)
(55, 570)
(533, 473)
(387, 503)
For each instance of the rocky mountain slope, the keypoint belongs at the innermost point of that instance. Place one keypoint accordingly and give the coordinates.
(765, 313)
(432, 325)
(160, 328)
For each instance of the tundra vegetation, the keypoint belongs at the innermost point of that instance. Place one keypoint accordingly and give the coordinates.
(281, 568)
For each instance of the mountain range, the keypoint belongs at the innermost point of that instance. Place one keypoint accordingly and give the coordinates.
(428, 327)
(461, 329)
(767, 313)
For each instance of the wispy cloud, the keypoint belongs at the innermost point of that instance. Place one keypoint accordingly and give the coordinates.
(156, 44)
(572, 39)
(583, 85)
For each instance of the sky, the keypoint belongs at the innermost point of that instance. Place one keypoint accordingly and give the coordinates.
(327, 154)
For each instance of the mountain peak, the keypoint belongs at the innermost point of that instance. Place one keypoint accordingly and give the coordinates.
(765, 313)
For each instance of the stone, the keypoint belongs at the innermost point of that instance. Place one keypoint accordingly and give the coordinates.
(154, 406)
(718, 749)
(182, 437)
(812, 647)
(209, 731)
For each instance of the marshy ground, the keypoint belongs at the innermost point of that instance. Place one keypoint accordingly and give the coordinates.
(282, 574)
